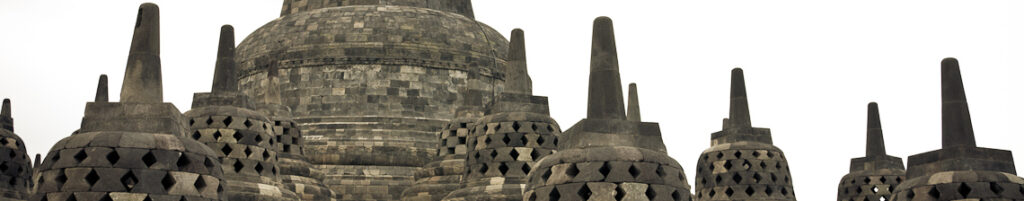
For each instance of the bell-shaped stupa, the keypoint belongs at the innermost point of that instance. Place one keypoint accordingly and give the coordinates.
(15, 165)
(876, 175)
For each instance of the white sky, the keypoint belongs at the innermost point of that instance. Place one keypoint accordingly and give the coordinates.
(811, 66)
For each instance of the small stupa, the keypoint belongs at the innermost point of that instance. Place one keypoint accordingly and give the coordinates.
(15, 165)
(874, 176)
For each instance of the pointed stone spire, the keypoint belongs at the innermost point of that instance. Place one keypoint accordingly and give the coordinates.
(633, 109)
(101, 90)
(605, 96)
(39, 159)
(6, 111)
(956, 118)
(518, 76)
(225, 76)
(142, 76)
(273, 94)
(875, 142)
(739, 112)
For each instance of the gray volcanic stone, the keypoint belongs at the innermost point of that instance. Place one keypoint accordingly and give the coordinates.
(225, 121)
(607, 156)
(135, 149)
(960, 170)
(462, 7)
(439, 178)
(875, 176)
(371, 83)
(742, 163)
(101, 90)
(15, 166)
(503, 147)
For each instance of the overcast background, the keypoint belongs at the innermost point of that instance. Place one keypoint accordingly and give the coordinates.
(811, 66)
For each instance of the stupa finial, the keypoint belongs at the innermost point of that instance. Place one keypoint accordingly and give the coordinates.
(739, 111)
(605, 95)
(101, 90)
(143, 82)
(225, 76)
(956, 118)
(633, 109)
(875, 142)
(6, 111)
(518, 75)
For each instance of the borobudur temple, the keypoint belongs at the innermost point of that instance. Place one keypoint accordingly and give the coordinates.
(876, 175)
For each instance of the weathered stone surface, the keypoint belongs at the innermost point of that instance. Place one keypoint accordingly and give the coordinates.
(607, 156)
(439, 178)
(742, 163)
(875, 176)
(370, 83)
(960, 170)
(462, 7)
(15, 165)
(134, 149)
(633, 109)
(101, 90)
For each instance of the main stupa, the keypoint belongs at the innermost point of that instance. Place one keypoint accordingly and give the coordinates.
(370, 82)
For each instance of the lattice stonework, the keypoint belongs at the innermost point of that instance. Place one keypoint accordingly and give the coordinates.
(508, 149)
(99, 166)
(15, 167)
(608, 173)
(871, 186)
(962, 185)
(297, 174)
(436, 179)
(744, 174)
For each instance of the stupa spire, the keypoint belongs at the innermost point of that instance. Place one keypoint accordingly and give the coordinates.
(101, 90)
(605, 95)
(142, 76)
(956, 118)
(518, 75)
(633, 109)
(6, 111)
(225, 76)
(875, 142)
(739, 111)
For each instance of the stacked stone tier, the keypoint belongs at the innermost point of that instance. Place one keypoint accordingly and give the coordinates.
(436, 179)
(297, 174)
(961, 185)
(743, 170)
(870, 184)
(105, 165)
(608, 173)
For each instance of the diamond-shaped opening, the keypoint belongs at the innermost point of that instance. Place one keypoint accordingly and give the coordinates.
(718, 178)
(727, 165)
(874, 189)
(757, 177)
(763, 165)
(996, 188)
(585, 192)
(476, 155)
(784, 191)
(183, 161)
(867, 180)
(129, 180)
(524, 140)
(551, 128)
(540, 140)
(859, 190)
(534, 127)
(248, 152)
(484, 168)
(746, 164)
(238, 166)
(526, 168)
(80, 156)
(712, 193)
(738, 154)
(702, 180)
(238, 136)
(515, 126)
(711, 167)
(729, 192)
(771, 155)
(737, 178)
(756, 154)
(535, 155)
(964, 190)
(650, 193)
(92, 177)
(720, 155)
(605, 169)
(774, 178)
(768, 190)
(750, 191)
(487, 140)
(259, 138)
(266, 155)
(259, 167)
(572, 171)
(217, 135)
(503, 168)
(554, 195)
(778, 166)
(11, 154)
(208, 163)
(506, 139)
(497, 128)
(196, 135)
(226, 150)
(227, 121)
(556, 141)
(494, 153)
(546, 175)
(676, 196)
(247, 123)
(149, 159)
(168, 182)
(209, 121)
(514, 154)
(910, 194)
(634, 171)
(4, 167)
(660, 171)
(882, 180)
(619, 193)
(200, 183)
(72, 198)
(899, 180)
